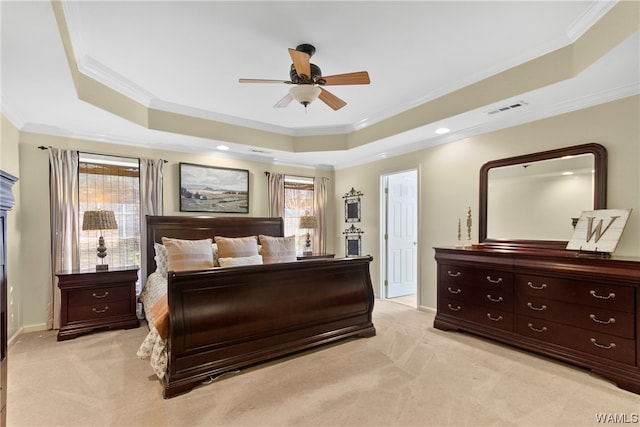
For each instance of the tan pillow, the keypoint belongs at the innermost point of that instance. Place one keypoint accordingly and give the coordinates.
(236, 247)
(278, 249)
(185, 255)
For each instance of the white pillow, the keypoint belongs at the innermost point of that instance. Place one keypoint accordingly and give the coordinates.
(245, 260)
(161, 259)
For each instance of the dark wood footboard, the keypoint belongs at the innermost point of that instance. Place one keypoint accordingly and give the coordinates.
(225, 319)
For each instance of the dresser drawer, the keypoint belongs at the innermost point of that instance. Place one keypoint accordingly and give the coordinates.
(99, 295)
(495, 318)
(452, 275)
(620, 298)
(596, 319)
(497, 296)
(102, 310)
(607, 346)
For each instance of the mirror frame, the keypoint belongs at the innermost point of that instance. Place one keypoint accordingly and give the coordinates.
(599, 196)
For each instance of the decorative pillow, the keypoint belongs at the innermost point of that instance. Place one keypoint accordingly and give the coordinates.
(278, 249)
(214, 250)
(188, 254)
(236, 247)
(245, 260)
(161, 259)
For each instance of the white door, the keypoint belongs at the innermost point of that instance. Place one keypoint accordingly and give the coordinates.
(401, 234)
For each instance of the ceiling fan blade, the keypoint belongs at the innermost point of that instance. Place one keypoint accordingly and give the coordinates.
(331, 100)
(357, 78)
(286, 100)
(300, 62)
(263, 81)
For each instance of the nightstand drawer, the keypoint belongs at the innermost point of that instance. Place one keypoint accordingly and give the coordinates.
(99, 295)
(98, 311)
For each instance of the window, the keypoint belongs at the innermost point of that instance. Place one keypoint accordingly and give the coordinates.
(298, 199)
(110, 183)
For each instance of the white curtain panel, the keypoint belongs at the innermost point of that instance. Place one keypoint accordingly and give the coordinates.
(276, 194)
(63, 194)
(151, 203)
(320, 202)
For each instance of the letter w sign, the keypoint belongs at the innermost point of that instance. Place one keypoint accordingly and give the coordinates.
(599, 231)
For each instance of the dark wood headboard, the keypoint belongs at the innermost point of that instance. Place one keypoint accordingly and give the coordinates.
(192, 228)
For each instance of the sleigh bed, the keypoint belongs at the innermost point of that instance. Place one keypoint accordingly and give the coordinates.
(224, 318)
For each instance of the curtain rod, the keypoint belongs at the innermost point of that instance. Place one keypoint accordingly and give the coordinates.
(42, 147)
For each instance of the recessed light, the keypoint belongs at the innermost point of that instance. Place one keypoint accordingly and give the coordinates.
(567, 173)
(222, 147)
(442, 131)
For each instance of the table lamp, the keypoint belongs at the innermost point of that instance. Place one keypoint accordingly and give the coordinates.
(100, 220)
(308, 222)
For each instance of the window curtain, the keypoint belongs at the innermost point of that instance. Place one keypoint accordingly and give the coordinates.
(320, 202)
(276, 194)
(151, 203)
(63, 202)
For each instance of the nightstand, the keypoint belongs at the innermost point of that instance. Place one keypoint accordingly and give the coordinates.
(93, 299)
(314, 256)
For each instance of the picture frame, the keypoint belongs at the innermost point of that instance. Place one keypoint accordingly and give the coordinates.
(352, 241)
(213, 189)
(352, 205)
(352, 245)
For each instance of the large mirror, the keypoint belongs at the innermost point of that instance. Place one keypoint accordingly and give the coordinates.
(531, 200)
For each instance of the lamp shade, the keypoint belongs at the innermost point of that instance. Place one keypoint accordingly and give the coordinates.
(99, 220)
(305, 94)
(308, 221)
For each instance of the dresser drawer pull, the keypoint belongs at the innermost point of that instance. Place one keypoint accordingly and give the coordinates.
(604, 322)
(498, 280)
(456, 274)
(495, 319)
(454, 291)
(595, 295)
(104, 310)
(532, 286)
(543, 329)
(532, 307)
(492, 299)
(606, 347)
(106, 293)
(456, 308)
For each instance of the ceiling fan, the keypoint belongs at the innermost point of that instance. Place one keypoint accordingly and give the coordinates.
(309, 81)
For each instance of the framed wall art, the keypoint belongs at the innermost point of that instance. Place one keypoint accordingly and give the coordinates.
(352, 241)
(213, 189)
(352, 205)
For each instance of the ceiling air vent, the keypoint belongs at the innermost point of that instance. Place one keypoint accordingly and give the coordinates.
(508, 107)
(253, 150)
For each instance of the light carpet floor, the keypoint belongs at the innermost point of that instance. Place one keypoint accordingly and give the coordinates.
(410, 374)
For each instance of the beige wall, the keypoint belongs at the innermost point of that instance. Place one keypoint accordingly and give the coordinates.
(448, 184)
(34, 275)
(449, 179)
(9, 162)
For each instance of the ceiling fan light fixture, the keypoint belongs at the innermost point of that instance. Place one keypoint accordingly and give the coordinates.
(305, 94)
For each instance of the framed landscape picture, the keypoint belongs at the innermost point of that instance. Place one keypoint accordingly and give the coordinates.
(213, 189)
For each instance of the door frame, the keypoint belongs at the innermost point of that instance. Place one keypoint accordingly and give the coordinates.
(384, 250)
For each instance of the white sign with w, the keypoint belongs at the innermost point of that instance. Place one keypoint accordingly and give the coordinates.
(599, 231)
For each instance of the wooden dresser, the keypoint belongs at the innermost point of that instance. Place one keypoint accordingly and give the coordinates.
(580, 309)
(6, 204)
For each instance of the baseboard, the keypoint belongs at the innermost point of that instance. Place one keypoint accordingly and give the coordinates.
(14, 337)
(427, 309)
(26, 329)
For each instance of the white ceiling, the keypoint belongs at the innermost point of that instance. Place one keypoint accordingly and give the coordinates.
(186, 57)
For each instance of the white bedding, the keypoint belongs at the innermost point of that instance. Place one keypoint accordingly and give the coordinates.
(153, 348)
